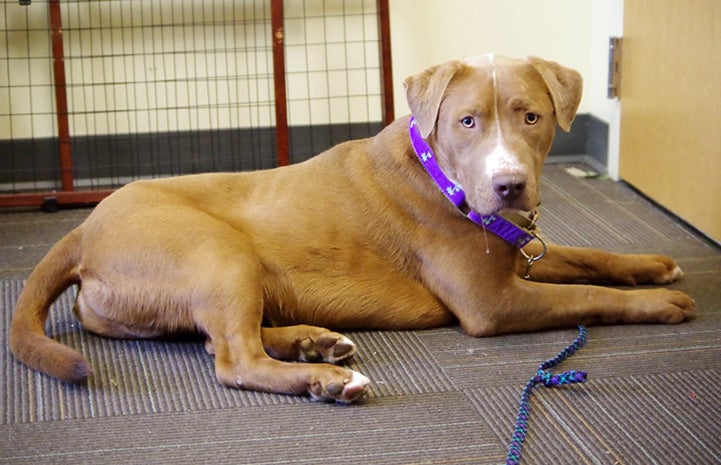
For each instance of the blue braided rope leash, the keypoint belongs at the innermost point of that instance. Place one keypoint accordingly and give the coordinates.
(545, 377)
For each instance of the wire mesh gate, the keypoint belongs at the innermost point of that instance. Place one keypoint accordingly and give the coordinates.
(96, 94)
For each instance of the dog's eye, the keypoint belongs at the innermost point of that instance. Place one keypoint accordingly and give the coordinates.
(468, 122)
(532, 118)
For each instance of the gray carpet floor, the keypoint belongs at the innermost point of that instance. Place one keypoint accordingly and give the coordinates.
(437, 397)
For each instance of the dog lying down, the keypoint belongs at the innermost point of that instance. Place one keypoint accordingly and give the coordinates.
(429, 223)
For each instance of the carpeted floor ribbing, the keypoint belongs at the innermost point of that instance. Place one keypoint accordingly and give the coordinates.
(437, 396)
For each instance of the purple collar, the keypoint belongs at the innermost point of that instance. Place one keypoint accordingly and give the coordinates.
(502, 227)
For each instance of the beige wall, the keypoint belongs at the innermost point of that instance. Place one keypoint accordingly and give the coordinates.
(573, 32)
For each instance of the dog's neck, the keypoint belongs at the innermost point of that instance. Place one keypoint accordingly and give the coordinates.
(516, 229)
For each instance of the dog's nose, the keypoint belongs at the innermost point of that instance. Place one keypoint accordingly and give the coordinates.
(509, 186)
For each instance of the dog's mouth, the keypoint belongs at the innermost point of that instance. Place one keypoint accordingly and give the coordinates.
(524, 218)
(505, 211)
(500, 207)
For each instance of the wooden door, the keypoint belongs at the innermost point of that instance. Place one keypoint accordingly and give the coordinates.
(670, 142)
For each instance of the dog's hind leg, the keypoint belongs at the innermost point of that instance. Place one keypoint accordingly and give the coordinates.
(97, 323)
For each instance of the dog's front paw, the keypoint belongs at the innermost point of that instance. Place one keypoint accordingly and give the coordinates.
(666, 270)
(330, 348)
(663, 306)
(653, 269)
(343, 390)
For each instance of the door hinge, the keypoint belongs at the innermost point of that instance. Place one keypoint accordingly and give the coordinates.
(614, 66)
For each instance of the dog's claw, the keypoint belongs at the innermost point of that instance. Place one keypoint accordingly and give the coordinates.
(209, 347)
(675, 275)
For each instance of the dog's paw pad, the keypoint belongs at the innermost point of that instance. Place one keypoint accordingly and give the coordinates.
(334, 389)
(339, 349)
(345, 392)
(330, 348)
(308, 352)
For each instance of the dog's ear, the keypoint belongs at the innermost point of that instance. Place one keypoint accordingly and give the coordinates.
(425, 90)
(565, 86)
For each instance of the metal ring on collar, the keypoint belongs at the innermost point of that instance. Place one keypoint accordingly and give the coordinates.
(531, 259)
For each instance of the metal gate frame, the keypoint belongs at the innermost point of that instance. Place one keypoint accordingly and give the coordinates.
(67, 195)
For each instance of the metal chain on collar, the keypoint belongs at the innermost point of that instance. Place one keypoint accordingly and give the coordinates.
(529, 224)
(531, 259)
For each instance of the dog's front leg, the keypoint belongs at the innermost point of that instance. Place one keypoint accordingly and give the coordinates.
(229, 309)
(570, 265)
(528, 306)
(241, 362)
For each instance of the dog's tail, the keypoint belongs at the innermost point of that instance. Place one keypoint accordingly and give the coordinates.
(28, 341)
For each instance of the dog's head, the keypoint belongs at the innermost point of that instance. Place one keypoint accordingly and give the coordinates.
(491, 121)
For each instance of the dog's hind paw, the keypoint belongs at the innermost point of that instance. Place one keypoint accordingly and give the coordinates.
(330, 348)
(350, 389)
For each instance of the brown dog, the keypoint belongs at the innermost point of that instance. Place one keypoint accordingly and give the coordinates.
(357, 237)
